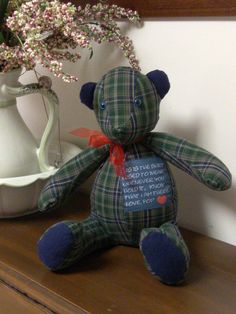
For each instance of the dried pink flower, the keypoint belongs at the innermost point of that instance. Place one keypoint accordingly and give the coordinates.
(48, 32)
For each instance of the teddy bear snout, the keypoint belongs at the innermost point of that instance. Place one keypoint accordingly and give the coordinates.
(120, 131)
(121, 135)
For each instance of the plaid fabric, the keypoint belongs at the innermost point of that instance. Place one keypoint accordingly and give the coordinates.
(107, 201)
(70, 176)
(131, 110)
(108, 223)
(131, 105)
(192, 159)
(89, 236)
(127, 108)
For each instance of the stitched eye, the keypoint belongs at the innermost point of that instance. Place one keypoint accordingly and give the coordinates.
(137, 102)
(103, 105)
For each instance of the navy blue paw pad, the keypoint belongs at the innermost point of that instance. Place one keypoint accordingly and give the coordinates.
(55, 245)
(164, 259)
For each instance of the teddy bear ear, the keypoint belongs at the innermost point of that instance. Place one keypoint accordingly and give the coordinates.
(87, 93)
(160, 81)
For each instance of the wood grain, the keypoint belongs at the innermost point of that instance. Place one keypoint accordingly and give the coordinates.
(115, 280)
(174, 8)
(12, 302)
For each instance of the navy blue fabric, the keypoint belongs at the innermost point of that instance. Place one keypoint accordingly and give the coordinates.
(86, 94)
(164, 259)
(161, 82)
(55, 245)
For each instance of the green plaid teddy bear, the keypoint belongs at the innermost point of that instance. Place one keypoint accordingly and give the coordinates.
(133, 200)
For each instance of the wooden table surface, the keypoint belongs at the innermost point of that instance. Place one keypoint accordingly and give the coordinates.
(112, 281)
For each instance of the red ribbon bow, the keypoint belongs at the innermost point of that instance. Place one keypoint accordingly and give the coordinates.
(97, 139)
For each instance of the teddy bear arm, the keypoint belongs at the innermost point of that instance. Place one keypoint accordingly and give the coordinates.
(70, 176)
(196, 161)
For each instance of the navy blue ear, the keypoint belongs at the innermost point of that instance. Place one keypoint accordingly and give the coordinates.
(87, 93)
(160, 81)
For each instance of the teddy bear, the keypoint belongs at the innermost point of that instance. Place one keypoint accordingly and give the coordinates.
(133, 198)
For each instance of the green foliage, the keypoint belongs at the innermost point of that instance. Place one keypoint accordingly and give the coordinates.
(1, 38)
(3, 9)
(5, 33)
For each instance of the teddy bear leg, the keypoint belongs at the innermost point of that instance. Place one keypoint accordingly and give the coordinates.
(68, 241)
(165, 253)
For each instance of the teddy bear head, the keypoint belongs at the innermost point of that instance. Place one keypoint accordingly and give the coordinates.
(126, 102)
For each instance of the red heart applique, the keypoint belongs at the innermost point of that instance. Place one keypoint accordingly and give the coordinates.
(161, 199)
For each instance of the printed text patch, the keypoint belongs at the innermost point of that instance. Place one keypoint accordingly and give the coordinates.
(147, 185)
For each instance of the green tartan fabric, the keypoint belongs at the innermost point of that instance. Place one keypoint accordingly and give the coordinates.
(194, 160)
(70, 176)
(140, 113)
(107, 202)
(89, 236)
(127, 108)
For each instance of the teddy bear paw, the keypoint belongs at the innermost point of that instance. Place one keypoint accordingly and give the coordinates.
(55, 245)
(163, 258)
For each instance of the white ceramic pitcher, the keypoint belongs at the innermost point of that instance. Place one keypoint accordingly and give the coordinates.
(19, 152)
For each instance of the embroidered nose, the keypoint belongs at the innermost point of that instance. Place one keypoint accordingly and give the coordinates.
(120, 130)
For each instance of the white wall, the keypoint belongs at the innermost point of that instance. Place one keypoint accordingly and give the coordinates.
(200, 59)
